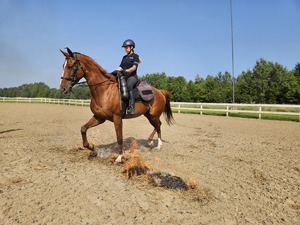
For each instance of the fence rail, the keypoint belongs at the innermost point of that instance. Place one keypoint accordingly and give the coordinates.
(77, 102)
(230, 108)
(226, 108)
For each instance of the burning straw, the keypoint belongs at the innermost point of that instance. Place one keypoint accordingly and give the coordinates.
(135, 165)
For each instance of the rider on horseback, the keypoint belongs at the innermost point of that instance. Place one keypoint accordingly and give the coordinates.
(128, 68)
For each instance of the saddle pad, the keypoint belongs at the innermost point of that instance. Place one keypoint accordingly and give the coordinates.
(145, 91)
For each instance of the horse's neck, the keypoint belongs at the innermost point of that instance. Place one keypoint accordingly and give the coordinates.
(94, 75)
(96, 79)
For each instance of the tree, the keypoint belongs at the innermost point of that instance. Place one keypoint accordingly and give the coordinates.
(157, 80)
(297, 70)
(290, 90)
(269, 83)
(39, 90)
(177, 86)
(244, 88)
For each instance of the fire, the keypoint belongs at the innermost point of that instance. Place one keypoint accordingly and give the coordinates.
(191, 183)
(135, 166)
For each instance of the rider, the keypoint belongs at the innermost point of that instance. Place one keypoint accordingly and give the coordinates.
(128, 68)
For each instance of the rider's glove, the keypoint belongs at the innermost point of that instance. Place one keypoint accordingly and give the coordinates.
(115, 72)
(125, 73)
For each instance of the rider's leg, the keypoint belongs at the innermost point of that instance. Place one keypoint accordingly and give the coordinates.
(131, 81)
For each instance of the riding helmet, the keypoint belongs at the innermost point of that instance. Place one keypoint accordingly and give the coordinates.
(128, 42)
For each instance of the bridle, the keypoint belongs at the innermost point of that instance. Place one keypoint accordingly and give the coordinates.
(74, 80)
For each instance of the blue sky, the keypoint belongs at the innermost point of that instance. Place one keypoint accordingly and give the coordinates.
(179, 37)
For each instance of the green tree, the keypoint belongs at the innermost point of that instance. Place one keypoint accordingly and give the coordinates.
(269, 83)
(289, 90)
(218, 88)
(297, 70)
(177, 86)
(157, 80)
(80, 92)
(244, 88)
(39, 90)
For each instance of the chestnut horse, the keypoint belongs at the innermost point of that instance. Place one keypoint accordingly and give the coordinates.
(105, 99)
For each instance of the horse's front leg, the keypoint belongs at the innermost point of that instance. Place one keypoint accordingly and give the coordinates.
(118, 123)
(91, 123)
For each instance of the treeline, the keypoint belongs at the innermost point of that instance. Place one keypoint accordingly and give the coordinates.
(266, 83)
(41, 90)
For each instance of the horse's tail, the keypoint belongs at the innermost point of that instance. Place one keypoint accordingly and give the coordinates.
(168, 111)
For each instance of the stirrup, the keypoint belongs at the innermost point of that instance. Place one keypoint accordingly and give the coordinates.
(130, 110)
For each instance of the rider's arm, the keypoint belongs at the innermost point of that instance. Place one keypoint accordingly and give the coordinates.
(131, 69)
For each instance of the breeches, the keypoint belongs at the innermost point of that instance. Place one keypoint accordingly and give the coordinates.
(131, 81)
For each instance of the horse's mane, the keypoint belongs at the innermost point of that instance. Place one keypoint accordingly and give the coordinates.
(100, 68)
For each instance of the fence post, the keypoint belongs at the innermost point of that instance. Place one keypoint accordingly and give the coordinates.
(179, 108)
(201, 107)
(227, 108)
(259, 115)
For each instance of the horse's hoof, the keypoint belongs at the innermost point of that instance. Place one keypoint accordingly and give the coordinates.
(151, 144)
(119, 159)
(93, 154)
(159, 144)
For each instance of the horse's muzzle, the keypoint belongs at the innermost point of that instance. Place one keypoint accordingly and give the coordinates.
(66, 89)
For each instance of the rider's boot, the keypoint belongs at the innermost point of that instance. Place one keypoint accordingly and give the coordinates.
(130, 108)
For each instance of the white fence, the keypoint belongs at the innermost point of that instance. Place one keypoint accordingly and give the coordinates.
(230, 108)
(78, 102)
(226, 108)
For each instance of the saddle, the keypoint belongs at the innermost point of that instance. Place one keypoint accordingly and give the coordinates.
(143, 91)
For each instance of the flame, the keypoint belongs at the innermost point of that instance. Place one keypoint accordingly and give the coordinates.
(135, 166)
(191, 183)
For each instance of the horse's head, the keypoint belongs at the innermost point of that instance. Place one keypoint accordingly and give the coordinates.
(71, 74)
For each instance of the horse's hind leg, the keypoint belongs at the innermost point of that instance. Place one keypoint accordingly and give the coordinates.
(150, 139)
(156, 123)
(91, 123)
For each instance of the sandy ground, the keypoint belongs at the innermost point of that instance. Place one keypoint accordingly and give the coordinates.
(247, 171)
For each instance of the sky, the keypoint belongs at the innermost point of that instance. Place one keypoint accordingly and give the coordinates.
(178, 37)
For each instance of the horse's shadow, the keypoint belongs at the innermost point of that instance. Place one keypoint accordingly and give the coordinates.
(130, 143)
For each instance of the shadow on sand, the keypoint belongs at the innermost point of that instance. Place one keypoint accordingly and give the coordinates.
(8, 131)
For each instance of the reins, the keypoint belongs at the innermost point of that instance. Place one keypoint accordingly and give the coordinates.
(91, 85)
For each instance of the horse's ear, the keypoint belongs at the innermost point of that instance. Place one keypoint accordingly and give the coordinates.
(64, 53)
(70, 52)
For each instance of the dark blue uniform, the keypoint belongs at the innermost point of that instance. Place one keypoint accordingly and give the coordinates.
(127, 62)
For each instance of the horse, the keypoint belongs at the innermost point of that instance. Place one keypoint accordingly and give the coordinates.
(105, 100)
